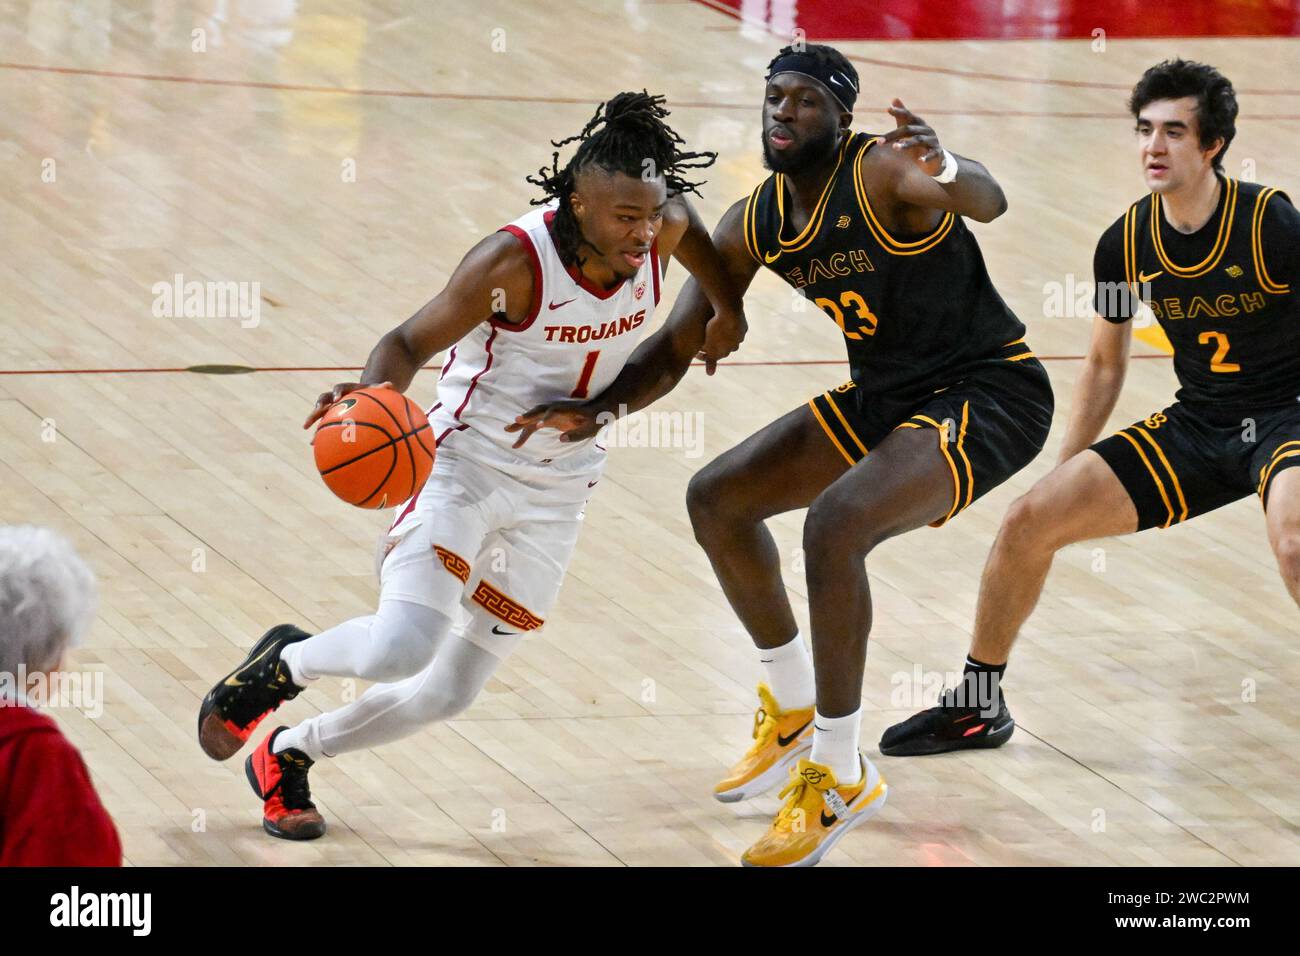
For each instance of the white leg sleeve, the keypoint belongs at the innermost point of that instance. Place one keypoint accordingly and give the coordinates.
(388, 712)
(397, 642)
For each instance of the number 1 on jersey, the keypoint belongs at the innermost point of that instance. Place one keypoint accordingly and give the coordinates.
(584, 380)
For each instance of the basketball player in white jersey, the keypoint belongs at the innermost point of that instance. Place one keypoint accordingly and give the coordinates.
(548, 308)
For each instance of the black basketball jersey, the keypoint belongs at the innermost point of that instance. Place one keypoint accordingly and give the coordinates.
(1234, 326)
(916, 311)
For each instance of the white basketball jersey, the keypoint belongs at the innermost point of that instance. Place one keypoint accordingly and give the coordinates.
(572, 345)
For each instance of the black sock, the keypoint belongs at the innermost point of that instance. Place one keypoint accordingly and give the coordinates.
(980, 685)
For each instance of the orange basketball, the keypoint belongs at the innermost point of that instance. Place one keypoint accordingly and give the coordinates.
(374, 448)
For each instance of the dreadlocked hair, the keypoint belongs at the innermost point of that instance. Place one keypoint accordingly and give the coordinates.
(626, 135)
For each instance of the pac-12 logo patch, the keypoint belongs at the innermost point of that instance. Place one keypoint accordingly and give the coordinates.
(639, 290)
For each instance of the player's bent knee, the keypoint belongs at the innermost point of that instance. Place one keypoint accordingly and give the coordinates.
(403, 640)
(1041, 522)
(403, 656)
(1027, 524)
(707, 498)
(1287, 549)
(835, 528)
(699, 497)
(442, 701)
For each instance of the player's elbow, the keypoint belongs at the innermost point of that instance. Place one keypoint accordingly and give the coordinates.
(991, 209)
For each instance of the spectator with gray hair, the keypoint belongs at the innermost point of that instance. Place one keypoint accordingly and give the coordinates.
(50, 814)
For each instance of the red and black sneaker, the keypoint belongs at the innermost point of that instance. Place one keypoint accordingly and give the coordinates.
(949, 726)
(281, 781)
(239, 702)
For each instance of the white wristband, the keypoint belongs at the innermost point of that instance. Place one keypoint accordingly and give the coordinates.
(949, 168)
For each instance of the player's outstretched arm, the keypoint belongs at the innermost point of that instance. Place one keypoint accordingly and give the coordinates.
(494, 278)
(686, 238)
(974, 194)
(1098, 386)
(659, 362)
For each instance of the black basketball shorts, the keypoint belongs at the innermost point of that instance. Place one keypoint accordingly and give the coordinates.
(990, 423)
(1182, 462)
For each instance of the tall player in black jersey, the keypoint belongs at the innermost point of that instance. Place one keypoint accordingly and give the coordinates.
(945, 402)
(1216, 260)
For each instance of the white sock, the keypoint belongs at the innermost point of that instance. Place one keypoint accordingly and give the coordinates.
(835, 744)
(790, 674)
(295, 737)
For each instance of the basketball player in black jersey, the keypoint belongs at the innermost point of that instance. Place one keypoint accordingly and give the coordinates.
(945, 402)
(1217, 261)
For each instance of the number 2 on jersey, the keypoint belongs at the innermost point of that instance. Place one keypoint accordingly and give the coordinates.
(584, 380)
(1217, 363)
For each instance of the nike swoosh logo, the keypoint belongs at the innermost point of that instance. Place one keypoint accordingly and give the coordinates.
(828, 821)
(593, 484)
(553, 305)
(836, 82)
(496, 630)
(1143, 277)
(783, 741)
(232, 681)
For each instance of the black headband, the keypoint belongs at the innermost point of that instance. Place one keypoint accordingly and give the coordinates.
(839, 84)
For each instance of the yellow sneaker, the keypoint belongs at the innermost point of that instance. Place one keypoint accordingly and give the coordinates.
(817, 813)
(780, 738)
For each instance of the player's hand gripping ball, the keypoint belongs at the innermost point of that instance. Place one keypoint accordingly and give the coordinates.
(374, 448)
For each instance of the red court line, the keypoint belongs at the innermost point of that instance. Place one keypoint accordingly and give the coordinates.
(308, 88)
(358, 368)
(560, 100)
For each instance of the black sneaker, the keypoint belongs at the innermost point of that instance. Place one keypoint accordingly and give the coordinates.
(949, 726)
(238, 703)
(280, 780)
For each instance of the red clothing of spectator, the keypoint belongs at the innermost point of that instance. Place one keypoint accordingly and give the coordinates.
(50, 814)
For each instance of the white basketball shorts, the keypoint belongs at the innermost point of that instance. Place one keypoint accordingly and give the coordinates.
(489, 537)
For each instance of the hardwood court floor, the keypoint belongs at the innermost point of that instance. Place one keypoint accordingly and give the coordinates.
(1153, 687)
